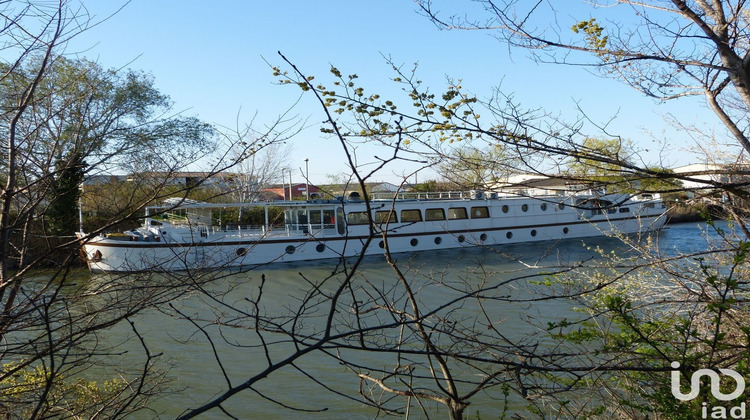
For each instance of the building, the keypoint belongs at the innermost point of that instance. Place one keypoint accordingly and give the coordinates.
(282, 191)
(705, 177)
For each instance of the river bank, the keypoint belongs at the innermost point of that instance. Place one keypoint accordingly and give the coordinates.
(682, 213)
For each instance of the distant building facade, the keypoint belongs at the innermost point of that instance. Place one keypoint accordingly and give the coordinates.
(290, 192)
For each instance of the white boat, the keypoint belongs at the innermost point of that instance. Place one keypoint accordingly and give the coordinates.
(180, 235)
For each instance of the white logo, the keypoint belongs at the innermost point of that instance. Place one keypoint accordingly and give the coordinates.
(707, 411)
(715, 381)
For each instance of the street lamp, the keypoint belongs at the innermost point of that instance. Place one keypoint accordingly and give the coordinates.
(307, 180)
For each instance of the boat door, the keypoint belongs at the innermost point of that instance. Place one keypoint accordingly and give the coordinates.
(340, 223)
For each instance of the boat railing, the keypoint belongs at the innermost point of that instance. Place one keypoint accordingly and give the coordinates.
(289, 229)
(453, 195)
(293, 229)
(424, 195)
(242, 230)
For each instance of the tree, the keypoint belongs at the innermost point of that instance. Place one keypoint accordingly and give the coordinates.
(258, 170)
(606, 172)
(667, 50)
(63, 119)
(469, 167)
(65, 194)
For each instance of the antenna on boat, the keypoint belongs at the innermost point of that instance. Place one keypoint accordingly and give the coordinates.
(307, 180)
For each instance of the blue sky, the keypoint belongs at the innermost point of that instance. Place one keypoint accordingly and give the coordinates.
(209, 58)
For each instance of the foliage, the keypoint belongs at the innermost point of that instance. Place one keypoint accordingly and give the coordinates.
(24, 387)
(610, 169)
(665, 49)
(469, 167)
(107, 117)
(616, 152)
(642, 313)
(65, 193)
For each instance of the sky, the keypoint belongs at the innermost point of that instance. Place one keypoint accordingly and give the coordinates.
(213, 60)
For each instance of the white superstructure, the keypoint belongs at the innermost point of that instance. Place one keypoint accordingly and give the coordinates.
(182, 235)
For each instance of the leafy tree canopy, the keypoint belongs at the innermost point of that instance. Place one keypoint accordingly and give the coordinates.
(108, 116)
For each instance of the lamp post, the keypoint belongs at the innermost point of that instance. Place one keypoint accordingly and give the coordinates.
(307, 180)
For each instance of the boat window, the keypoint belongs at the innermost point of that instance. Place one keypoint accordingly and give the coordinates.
(328, 218)
(315, 217)
(357, 218)
(457, 213)
(624, 210)
(544, 206)
(525, 208)
(302, 217)
(480, 212)
(411, 215)
(434, 214)
(385, 217)
(505, 208)
(289, 217)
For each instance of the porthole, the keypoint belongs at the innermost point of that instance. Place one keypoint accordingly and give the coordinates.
(561, 206)
(483, 237)
(525, 208)
(461, 238)
(320, 247)
(290, 249)
(533, 232)
(544, 206)
(381, 244)
(566, 230)
(414, 242)
(438, 240)
(241, 252)
(505, 209)
(509, 235)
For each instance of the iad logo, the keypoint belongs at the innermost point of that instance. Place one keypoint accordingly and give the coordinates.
(737, 412)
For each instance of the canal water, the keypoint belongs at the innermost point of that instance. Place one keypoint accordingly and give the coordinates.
(190, 357)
